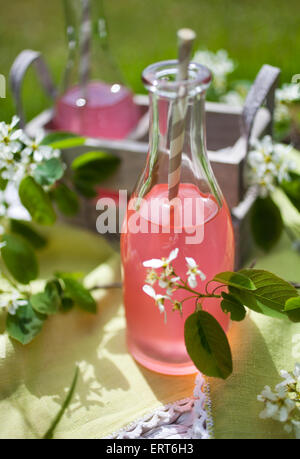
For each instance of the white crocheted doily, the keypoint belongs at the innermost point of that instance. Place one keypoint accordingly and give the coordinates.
(185, 419)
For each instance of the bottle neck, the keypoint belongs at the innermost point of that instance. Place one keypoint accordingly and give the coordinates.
(162, 120)
(195, 168)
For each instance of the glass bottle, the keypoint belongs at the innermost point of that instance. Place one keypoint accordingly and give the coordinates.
(197, 222)
(94, 101)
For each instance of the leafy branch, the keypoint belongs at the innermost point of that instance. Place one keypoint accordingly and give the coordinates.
(205, 340)
(46, 188)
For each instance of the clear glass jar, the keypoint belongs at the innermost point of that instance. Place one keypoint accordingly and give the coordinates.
(198, 222)
(94, 101)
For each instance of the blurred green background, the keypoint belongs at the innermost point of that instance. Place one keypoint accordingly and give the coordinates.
(143, 31)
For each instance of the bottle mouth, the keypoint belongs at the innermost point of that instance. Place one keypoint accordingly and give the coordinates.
(160, 78)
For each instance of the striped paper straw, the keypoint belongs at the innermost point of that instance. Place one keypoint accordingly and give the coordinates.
(186, 38)
(85, 46)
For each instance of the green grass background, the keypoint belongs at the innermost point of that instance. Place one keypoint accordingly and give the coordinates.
(143, 31)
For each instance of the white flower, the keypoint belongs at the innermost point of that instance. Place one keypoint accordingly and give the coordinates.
(267, 394)
(13, 307)
(220, 65)
(290, 378)
(277, 404)
(271, 409)
(12, 301)
(163, 262)
(37, 151)
(283, 404)
(152, 277)
(168, 283)
(159, 299)
(12, 171)
(193, 272)
(289, 93)
(268, 163)
(281, 113)
(10, 138)
(233, 98)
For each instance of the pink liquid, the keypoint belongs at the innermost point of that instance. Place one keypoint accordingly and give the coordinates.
(110, 111)
(156, 345)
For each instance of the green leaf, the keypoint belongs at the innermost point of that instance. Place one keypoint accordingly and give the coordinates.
(25, 230)
(50, 432)
(207, 345)
(49, 171)
(19, 258)
(232, 305)
(85, 188)
(79, 294)
(95, 159)
(66, 304)
(270, 295)
(25, 324)
(36, 201)
(266, 223)
(92, 168)
(235, 280)
(48, 301)
(66, 200)
(294, 315)
(292, 189)
(292, 303)
(63, 140)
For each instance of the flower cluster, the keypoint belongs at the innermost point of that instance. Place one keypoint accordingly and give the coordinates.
(269, 164)
(283, 404)
(287, 103)
(220, 65)
(288, 94)
(19, 154)
(169, 281)
(237, 95)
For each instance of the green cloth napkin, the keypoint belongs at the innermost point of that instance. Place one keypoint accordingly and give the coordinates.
(261, 348)
(112, 390)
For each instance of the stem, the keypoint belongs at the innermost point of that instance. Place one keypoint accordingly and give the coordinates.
(199, 295)
(206, 286)
(219, 286)
(198, 306)
(188, 298)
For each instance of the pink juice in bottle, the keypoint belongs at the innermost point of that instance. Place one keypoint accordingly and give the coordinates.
(155, 344)
(108, 111)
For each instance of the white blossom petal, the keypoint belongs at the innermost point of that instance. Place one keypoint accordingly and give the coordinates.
(154, 263)
(191, 262)
(173, 255)
(149, 291)
(192, 281)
